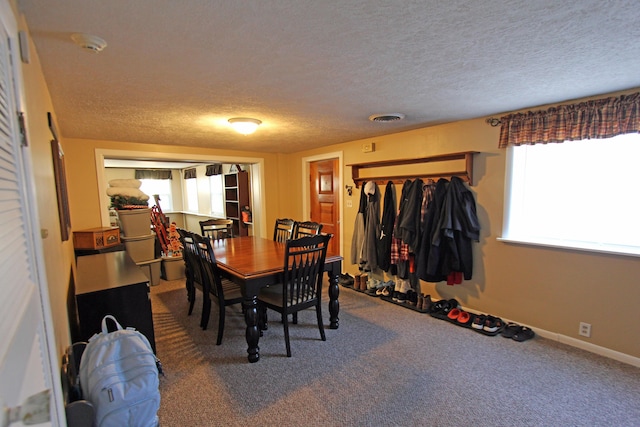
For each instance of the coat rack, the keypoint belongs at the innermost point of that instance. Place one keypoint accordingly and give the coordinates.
(466, 174)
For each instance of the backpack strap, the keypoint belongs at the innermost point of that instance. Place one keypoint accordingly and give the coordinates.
(105, 328)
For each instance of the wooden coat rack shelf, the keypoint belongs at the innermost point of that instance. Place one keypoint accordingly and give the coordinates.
(466, 174)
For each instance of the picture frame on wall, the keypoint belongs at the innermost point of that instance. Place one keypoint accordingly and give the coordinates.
(57, 155)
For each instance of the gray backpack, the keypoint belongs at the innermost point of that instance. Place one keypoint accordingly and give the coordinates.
(119, 376)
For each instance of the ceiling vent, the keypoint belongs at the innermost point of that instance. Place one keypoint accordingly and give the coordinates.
(89, 42)
(385, 118)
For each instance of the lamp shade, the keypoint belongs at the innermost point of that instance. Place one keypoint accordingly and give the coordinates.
(244, 125)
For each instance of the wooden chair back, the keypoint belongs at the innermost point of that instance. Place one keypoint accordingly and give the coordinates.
(283, 229)
(217, 228)
(307, 228)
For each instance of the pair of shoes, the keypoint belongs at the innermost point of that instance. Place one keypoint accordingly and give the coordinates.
(360, 282)
(346, 280)
(517, 332)
(492, 325)
(386, 291)
(460, 316)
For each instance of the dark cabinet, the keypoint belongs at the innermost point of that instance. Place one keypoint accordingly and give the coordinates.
(111, 283)
(236, 197)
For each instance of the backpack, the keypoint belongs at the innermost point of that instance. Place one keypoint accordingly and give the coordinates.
(119, 376)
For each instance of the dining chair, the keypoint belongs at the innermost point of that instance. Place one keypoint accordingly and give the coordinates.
(193, 272)
(283, 230)
(217, 228)
(306, 228)
(224, 292)
(301, 285)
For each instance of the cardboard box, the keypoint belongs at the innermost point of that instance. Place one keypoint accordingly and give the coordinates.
(96, 238)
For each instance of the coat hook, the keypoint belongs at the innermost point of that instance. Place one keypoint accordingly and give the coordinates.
(349, 189)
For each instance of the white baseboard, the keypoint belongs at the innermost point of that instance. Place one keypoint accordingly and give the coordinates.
(583, 345)
(592, 348)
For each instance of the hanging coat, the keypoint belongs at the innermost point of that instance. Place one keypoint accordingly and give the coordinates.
(386, 226)
(369, 259)
(358, 229)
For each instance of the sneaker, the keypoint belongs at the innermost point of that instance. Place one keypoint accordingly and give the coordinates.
(402, 297)
(492, 324)
(478, 322)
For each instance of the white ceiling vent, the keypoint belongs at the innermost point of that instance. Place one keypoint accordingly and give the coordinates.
(89, 42)
(384, 118)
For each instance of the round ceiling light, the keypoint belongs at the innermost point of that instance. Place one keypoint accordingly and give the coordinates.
(385, 118)
(89, 42)
(244, 125)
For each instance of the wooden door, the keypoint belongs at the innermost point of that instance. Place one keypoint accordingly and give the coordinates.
(325, 202)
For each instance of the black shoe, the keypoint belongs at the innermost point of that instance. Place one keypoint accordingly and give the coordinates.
(402, 297)
(346, 279)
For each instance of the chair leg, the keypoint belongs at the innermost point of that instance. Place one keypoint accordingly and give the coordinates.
(285, 322)
(295, 318)
(221, 314)
(191, 295)
(206, 309)
(320, 324)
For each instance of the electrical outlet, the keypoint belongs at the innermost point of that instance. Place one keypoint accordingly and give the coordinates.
(349, 204)
(585, 329)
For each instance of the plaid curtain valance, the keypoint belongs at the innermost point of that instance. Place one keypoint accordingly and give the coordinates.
(600, 118)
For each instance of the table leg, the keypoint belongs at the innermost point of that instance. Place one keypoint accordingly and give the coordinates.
(334, 291)
(250, 305)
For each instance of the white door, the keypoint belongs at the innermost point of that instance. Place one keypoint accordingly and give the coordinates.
(27, 353)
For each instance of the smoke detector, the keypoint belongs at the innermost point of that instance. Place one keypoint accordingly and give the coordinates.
(385, 118)
(88, 42)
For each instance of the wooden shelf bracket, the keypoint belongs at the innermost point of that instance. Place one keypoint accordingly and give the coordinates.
(466, 174)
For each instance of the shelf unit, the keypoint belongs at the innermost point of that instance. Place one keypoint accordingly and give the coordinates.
(236, 196)
(466, 174)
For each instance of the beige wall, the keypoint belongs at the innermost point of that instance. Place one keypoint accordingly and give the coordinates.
(549, 289)
(58, 255)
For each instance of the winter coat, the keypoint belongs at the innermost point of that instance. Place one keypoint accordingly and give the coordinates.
(386, 226)
(369, 258)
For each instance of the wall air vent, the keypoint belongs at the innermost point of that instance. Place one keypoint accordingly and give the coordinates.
(385, 118)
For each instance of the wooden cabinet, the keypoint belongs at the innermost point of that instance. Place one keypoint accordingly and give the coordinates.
(111, 283)
(236, 196)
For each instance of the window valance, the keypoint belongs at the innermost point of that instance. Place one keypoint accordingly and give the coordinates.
(600, 118)
(190, 173)
(153, 174)
(215, 169)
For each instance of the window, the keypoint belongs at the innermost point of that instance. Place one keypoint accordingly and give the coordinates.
(576, 194)
(217, 198)
(161, 187)
(191, 188)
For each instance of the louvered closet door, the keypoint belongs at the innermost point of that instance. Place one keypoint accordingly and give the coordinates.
(25, 367)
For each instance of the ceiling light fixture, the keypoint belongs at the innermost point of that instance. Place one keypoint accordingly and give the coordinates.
(88, 42)
(244, 125)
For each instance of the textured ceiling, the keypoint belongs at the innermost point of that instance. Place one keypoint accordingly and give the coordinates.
(314, 71)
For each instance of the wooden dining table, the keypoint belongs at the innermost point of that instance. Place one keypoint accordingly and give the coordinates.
(254, 262)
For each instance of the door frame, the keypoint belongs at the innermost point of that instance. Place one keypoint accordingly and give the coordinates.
(257, 185)
(306, 197)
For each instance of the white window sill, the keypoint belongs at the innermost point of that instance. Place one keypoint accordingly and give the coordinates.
(632, 251)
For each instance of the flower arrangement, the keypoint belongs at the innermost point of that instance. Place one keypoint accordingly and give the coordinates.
(174, 247)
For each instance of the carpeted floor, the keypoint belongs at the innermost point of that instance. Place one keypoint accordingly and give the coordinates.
(385, 366)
